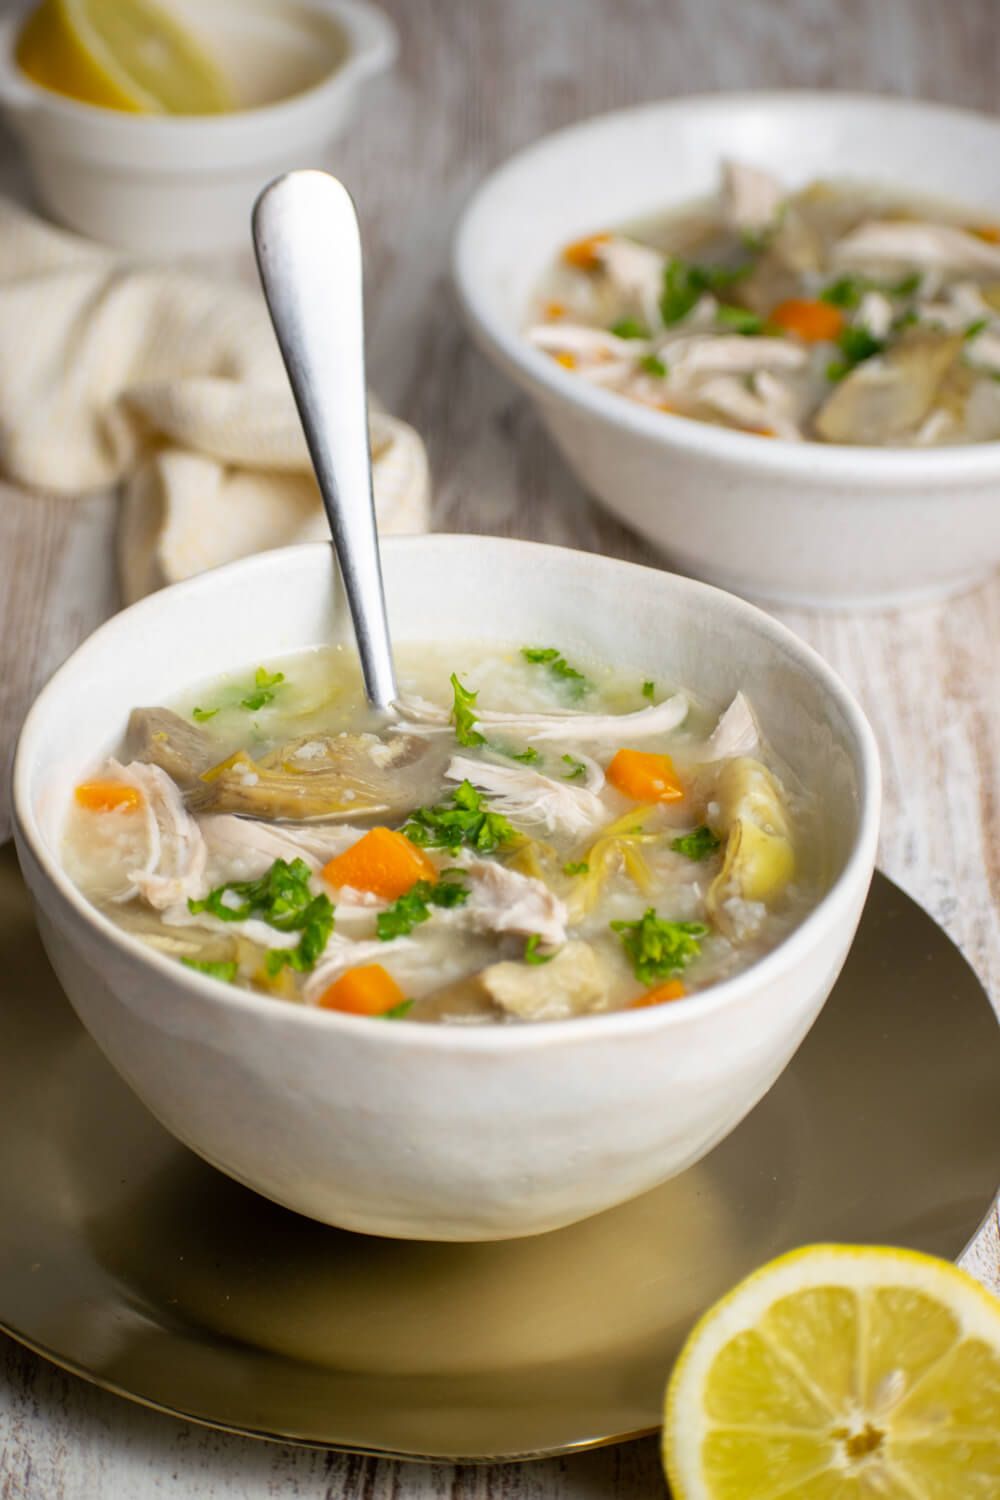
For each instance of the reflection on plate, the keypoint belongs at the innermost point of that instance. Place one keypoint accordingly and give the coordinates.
(128, 1260)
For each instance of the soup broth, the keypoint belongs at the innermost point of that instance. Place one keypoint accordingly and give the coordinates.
(840, 313)
(534, 836)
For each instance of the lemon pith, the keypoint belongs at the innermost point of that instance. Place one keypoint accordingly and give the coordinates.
(130, 55)
(840, 1373)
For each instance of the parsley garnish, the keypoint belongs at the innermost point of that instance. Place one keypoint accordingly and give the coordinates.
(629, 328)
(552, 658)
(697, 845)
(282, 898)
(740, 320)
(224, 969)
(396, 1012)
(657, 949)
(265, 686)
(531, 953)
(654, 366)
(201, 714)
(846, 291)
(649, 690)
(465, 821)
(528, 756)
(857, 345)
(463, 715)
(684, 283)
(414, 907)
(976, 328)
(908, 285)
(576, 867)
(578, 768)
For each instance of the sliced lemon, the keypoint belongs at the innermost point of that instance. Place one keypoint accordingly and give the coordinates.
(840, 1373)
(121, 54)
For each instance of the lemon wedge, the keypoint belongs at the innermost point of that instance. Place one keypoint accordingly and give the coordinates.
(840, 1373)
(121, 54)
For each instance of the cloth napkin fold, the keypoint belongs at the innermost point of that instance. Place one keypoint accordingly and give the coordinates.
(171, 382)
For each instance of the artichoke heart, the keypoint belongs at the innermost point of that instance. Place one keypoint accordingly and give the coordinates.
(324, 776)
(759, 859)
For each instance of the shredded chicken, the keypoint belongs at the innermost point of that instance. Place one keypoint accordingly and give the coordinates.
(502, 900)
(691, 355)
(911, 243)
(886, 398)
(748, 406)
(635, 271)
(417, 714)
(736, 732)
(176, 857)
(247, 847)
(751, 197)
(573, 982)
(531, 799)
(343, 953)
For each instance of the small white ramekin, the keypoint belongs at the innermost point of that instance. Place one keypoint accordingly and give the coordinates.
(169, 185)
(793, 523)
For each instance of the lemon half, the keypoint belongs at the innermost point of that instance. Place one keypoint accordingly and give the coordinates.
(840, 1373)
(121, 54)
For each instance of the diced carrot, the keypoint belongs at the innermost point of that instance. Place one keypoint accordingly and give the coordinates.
(644, 776)
(582, 254)
(762, 431)
(383, 862)
(672, 990)
(816, 322)
(555, 310)
(108, 796)
(988, 232)
(568, 361)
(368, 990)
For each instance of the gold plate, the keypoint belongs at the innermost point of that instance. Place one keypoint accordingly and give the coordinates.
(127, 1260)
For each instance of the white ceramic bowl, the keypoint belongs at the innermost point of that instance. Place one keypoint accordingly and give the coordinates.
(168, 185)
(789, 522)
(439, 1132)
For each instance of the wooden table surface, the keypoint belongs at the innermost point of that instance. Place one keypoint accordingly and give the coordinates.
(477, 79)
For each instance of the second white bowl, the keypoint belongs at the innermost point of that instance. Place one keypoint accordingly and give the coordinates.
(796, 523)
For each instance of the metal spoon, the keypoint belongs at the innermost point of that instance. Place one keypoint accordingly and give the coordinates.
(308, 246)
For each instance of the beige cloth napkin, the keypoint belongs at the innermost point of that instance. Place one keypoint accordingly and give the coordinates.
(172, 382)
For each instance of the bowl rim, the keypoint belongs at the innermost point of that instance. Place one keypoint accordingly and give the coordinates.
(833, 906)
(776, 456)
(372, 45)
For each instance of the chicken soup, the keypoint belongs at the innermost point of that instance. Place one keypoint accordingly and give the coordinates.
(532, 836)
(837, 313)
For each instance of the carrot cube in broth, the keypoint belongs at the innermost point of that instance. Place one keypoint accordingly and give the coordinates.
(368, 990)
(644, 776)
(383, 862)
(108, 796)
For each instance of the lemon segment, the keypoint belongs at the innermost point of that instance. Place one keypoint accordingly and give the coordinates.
(121, 54)
(840, 1373)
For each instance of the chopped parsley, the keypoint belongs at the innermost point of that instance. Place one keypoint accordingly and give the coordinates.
(528, 756)
(976, 328)
(465, 820)
(908, 286)
(265, 685)
(282, 899)
(697, 845)
(552, 658)
(200, 715)
(684, 283)
(396, 1012)
(577, 770)
(629, 328)
(654, 366)
(846, 291)
(856, 345)
(414, 907)
(658, 949)
(739, 319)
(649, 690)
(223, 969)
(531, 953)
(576, 867)
(463, 715)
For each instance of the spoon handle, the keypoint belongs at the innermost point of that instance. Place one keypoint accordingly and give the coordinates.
(308, 248)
